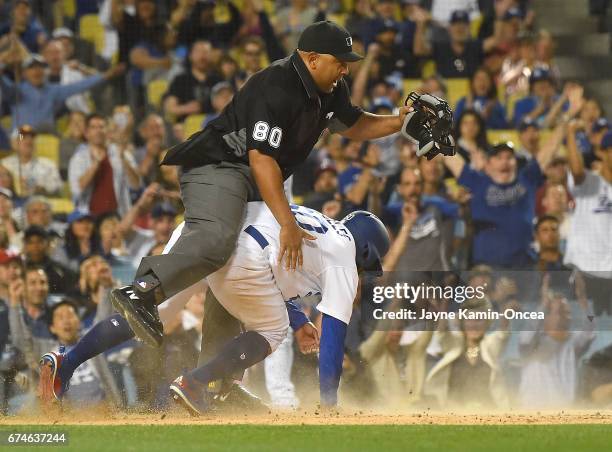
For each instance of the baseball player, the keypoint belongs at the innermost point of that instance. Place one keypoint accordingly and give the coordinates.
(254, 287)
(244, 155)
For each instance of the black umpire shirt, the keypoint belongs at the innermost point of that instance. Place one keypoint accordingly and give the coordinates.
(279, 112)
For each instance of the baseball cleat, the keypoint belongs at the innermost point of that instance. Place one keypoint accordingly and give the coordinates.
(237, 397)
(140, 313)
(51, 388)
(193, 399)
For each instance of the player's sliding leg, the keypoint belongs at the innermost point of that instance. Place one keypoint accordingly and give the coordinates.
(245, 287)
(56, 368)
(241, 353)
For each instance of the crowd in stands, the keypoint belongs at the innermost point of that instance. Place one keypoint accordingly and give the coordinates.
(93, 92)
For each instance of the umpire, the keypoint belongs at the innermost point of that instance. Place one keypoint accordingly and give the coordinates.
(244, 155)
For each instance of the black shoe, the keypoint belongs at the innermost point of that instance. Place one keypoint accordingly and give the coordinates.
(236, 397)
(141, 313)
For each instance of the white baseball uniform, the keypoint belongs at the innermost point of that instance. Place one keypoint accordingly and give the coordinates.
(253, 287)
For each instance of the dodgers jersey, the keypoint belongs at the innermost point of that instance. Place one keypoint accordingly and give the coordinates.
(328, 269)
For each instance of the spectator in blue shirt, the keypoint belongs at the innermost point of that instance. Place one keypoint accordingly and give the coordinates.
(34, 100)
(483, 99)
(543, 104)
(359, 181)
(27, 28)
(502, 204)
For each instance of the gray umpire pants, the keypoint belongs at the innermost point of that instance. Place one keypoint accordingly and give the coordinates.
(215, 197)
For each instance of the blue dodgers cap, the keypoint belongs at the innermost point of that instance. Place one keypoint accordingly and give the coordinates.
(600, 124)
(460, 15)
(526, 123)
(606, 141)
(78, 215)
(381, 102)
(539, 74)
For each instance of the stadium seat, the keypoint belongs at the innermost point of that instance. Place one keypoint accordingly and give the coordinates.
(457, 88)
(155, 92)
(61, 205)
(47, 146)
(193, 123)
(410, 85)
(90, 29)
(69, 8)
(497, 136)
(6, 122)
(429, 69)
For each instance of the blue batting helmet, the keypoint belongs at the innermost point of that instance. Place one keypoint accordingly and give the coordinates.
(371, 239)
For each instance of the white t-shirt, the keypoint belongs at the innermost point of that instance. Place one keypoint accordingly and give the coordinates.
(589, 243)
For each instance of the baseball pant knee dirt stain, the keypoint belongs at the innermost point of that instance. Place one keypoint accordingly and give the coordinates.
(215, 198)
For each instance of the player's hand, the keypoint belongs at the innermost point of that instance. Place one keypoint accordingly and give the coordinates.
(291, 236)
(307, 338)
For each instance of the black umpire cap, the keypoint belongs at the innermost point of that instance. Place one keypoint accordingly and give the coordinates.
(328, 37)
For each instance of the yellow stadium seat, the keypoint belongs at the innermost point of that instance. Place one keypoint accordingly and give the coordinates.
(6, 122)
(90, 29)
(193, 123)
(411, 84)
(155, 91)
(429, 69)
(498, 136)
(69, 8)
(475, 26)
(457, 88)
(47, 146)
(61, 205)
(340, 19)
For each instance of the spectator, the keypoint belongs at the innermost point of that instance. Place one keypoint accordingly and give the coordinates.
(469, 374)
(545, 54)
(28, 298)
(60, 72)
(555, 203)
(252, 52)
(461, 56)
(8, 224)
(6, 180)
(517, 68)
(35, 101)
(442, 10)
(543, 105)
(35, 175)
(600, 128)
(423, 235)
(390, 56)
(189, 93)
(38, 213)
(291, 20)
(81, 241)
(471, 136)
(389, 153)
(221, 95)
(77, 51)
(359, 183)
(502, 204)
(25, 26)
(592, 130)
(71, 140)
(92, 382)
(101, 176)
(11, 269)
(589, 247)
(153, 133)
(548, 242)
(201, 25)
(325, 186)
(551, 353)
(37, 254)
(357, 21)
(94, 286)
(483, 99)
(140, 241)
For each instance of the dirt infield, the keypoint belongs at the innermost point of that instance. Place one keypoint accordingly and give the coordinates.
(316, 417)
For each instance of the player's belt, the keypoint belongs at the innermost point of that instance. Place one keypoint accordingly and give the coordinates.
(258, 236)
